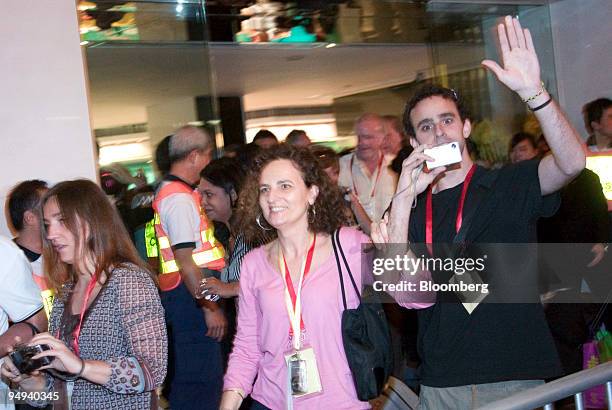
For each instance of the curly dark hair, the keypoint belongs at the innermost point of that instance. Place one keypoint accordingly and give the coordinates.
(432, 90)
(328, 205)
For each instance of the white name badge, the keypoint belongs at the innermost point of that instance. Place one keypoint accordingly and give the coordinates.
(303, 373)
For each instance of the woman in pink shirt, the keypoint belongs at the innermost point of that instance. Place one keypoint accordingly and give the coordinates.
(292, 203)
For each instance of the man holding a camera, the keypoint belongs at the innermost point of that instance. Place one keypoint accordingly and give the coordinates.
(476, 353)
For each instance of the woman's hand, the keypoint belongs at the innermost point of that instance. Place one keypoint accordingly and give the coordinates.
(64, 359)
(34, 381)
(213, 286)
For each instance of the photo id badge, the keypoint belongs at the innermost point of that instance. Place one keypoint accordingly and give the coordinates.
(303, 373)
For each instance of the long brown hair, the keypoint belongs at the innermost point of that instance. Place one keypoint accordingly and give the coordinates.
(329, 204)
(85, 209)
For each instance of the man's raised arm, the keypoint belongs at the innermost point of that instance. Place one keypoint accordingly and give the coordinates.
(521, 73)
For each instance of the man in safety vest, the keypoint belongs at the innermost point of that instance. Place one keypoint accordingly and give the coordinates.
(187, 251)
(22, 204)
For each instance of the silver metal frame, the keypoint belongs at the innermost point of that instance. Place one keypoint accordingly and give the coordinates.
(548, 393)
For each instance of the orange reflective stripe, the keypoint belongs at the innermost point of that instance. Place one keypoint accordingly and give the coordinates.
(170, 189)
(169, 281)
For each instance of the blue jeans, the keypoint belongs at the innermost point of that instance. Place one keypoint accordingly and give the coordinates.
(471, 396)
(195, 370)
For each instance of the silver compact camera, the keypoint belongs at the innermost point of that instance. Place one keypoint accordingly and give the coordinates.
(445, 154)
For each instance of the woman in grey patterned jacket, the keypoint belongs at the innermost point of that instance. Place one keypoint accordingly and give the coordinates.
(107, 335)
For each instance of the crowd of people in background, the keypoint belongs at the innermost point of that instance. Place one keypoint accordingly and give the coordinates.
(190, 290)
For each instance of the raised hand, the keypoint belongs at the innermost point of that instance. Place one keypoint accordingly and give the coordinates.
(521, 69)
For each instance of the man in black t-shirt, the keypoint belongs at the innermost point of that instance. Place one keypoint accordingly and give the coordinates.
(471, 357)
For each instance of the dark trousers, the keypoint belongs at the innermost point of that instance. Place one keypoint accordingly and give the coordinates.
(195, 370)
(258, 406)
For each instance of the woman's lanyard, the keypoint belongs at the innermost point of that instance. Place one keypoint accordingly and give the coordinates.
(459, 218)
(77, 331)
(373, 190)
(293, 302)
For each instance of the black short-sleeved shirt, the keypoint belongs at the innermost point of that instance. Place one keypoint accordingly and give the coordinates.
(497, 342)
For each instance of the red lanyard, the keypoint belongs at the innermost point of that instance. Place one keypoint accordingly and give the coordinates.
(375, 181)
(289, 282)
(77, 331)
(459, 218)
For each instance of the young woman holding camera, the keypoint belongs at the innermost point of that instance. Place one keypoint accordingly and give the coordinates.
(107, 337)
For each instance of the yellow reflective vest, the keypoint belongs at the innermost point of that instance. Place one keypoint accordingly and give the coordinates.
(209, 255)
(47, 294)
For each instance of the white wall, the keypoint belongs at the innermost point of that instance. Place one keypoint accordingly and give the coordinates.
(44, 115)
(583, 55)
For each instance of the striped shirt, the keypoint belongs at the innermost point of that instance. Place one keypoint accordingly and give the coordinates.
(232, 272)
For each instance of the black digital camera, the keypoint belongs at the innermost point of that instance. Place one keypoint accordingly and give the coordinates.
(22, 358)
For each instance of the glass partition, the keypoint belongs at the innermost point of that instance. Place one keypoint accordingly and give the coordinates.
(141, 21)
(149, 73)
(240, 66)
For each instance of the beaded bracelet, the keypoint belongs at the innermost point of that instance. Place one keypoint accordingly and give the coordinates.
(533, 97)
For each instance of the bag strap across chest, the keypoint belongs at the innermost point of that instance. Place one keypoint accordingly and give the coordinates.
(338, 247)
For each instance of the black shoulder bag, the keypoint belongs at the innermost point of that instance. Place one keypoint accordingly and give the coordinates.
(365, 335)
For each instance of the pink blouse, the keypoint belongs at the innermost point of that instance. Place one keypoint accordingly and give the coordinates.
(262, 337)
